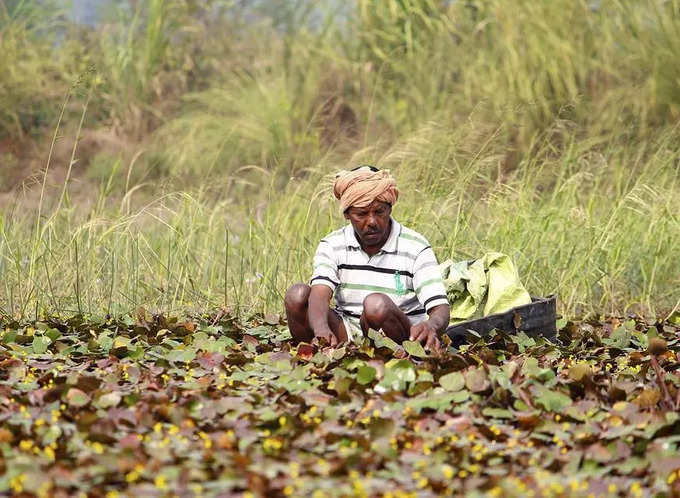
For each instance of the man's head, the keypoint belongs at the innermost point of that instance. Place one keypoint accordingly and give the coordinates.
(371, 223)
(366, 196)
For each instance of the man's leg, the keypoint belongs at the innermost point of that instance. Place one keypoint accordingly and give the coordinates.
(380, 312)
(296, 303)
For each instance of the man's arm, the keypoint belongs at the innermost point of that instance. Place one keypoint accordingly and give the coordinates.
(317, 313)
(439, 318)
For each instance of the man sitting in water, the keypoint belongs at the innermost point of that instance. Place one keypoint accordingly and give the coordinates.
(384, 275)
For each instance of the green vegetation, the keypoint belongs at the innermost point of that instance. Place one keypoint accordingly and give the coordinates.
(179, 158)
(156, 406)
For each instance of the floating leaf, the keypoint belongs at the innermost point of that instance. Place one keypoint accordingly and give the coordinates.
(414, 348)
(454, 381)
(40, 344)
(552, 400)
(77, 398)
(476, 380)
(108, 400)
(366, 374)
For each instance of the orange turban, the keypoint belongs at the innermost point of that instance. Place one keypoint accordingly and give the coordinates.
(361, 186)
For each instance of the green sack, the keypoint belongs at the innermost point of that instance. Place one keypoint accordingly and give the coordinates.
(482, 286)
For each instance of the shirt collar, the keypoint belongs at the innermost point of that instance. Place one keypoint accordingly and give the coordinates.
(390, 244)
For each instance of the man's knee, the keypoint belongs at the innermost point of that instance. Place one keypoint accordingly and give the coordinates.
(377, 308)
(297, 296)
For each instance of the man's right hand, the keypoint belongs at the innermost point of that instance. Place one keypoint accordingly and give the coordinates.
(326, 333)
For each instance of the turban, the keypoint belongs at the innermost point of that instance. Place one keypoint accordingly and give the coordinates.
(361, 186)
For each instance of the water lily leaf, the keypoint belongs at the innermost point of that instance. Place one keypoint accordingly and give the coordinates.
(454, 381)
(108, 400)
(181, 355)
(620, 338)
(398, 373)
(40, 344)
(366, 374)
(381, 340)
(497, 413)
(53, 333)
(414, 348)
(77, 398)
(381, 428)
(552, 400)
(580, 371)
(476, 380)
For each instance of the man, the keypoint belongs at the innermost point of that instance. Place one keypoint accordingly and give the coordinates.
(384, 275)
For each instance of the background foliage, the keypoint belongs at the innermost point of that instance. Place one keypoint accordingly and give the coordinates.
(178, 155)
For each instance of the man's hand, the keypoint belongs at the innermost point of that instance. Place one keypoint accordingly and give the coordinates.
(326, 333)
(425, 333)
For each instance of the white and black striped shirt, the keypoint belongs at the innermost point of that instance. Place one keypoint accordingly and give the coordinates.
(405, 269)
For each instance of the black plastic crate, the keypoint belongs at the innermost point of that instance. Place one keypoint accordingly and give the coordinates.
(534, 319)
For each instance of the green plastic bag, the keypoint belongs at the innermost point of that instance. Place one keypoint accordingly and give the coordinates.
(482, 286)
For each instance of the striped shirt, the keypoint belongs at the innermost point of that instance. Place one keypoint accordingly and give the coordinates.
(405, 269)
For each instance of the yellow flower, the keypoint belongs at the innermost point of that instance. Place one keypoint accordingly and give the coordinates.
(636, 489)
(16, 483)
(282, 420)
(49, 453)
(132, 476)
(26, 444)
(160, 482)
(495, 492)
(448, 471)
(97, 448)
(44, 490)
(288, 490)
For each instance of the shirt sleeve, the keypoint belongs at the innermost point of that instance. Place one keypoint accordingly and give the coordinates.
(325, 268)
(427, 280)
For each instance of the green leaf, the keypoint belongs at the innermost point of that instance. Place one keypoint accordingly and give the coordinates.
(382, 341)
(497, 413)
(108, 400)
(620, 338)
(77, 398)
(476, 380)
(454, 381)
(552, 401)
(414, 348)
(366, 374)
(398, 373)
(40, 344)
(53, 334)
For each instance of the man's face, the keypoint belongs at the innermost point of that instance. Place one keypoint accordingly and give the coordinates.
(371, 223)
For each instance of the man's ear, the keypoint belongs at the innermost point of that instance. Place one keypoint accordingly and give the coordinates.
(345, 213)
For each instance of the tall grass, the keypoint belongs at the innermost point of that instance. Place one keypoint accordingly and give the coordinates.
(545, 130)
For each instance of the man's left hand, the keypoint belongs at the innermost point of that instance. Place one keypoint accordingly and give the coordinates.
(425, 333)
